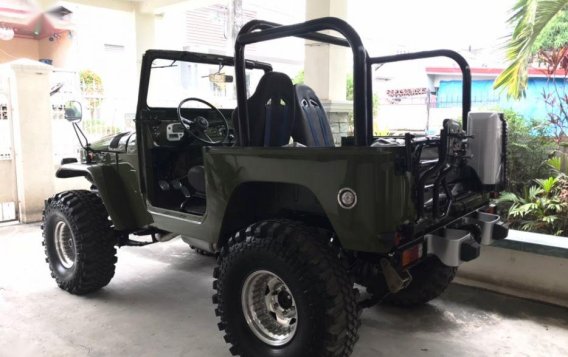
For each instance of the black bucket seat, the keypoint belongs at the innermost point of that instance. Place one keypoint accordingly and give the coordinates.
(311, 127)
(271, 111)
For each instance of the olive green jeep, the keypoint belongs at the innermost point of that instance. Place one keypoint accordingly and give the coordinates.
(243, 165)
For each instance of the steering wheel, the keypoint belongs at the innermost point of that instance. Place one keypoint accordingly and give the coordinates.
(197, 126)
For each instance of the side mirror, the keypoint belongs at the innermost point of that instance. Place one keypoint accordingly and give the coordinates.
(73, 111)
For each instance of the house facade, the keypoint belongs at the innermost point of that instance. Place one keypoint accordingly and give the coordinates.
(447, 84)
(425, 96)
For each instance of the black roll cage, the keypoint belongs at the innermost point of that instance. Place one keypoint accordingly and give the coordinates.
(259, 31)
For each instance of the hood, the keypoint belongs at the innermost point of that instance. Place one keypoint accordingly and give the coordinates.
(114, 142)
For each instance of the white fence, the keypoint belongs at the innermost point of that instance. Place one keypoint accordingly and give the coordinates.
(102, 115)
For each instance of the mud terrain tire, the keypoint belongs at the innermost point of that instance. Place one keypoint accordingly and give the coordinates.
(319, 284)
(79, 241)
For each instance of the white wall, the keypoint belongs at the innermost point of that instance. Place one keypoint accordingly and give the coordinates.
(529, 275)
(115, 62)
(8, 188)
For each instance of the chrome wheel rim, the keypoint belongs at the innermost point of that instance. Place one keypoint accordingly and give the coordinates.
(269, 308)
(64, 244)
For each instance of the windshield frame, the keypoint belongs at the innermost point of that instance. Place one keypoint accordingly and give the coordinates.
(184, 56)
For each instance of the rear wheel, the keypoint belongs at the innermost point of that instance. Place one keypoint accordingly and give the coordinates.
(281, 291)
(429, 280)
(79, 241)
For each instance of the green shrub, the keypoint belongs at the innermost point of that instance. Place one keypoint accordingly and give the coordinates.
(299, 78)
(528, 151)
(92, 89)
(541, 208)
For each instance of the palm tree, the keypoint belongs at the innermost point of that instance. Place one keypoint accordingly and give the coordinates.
(529, 19)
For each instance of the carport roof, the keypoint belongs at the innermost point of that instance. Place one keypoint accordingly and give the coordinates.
(30, 22)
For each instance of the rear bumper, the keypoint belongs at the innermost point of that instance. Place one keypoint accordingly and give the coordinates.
(461, 241)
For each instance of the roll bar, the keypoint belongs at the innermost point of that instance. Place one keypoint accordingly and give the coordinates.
(258, 31)
(464, 66)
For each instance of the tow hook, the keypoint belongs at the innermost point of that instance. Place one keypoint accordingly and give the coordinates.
(395, 281)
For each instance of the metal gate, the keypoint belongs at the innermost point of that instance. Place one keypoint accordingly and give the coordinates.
(8, 188)
(64, 141)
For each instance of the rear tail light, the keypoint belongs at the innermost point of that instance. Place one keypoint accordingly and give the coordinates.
(411, 255)
(397, 239)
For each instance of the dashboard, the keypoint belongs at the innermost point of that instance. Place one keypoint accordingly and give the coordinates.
(171, 133)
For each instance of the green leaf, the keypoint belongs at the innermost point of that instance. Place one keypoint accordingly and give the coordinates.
(555, 34)
(534, 191)
(548, 184)
(555, 162)
(507, 197)
(529, 18)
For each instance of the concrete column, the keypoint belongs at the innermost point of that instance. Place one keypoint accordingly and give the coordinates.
(145, 34)
(235, 23)
(31, 118)
(326, 67)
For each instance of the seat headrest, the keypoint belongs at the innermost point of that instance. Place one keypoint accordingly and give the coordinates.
(271, 110)
(280, 84)
(312, 126)
(305, 93)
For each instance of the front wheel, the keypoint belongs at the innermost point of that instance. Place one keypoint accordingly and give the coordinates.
(281, 291)
(79, 241)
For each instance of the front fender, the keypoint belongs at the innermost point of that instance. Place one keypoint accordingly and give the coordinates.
(119, 189)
